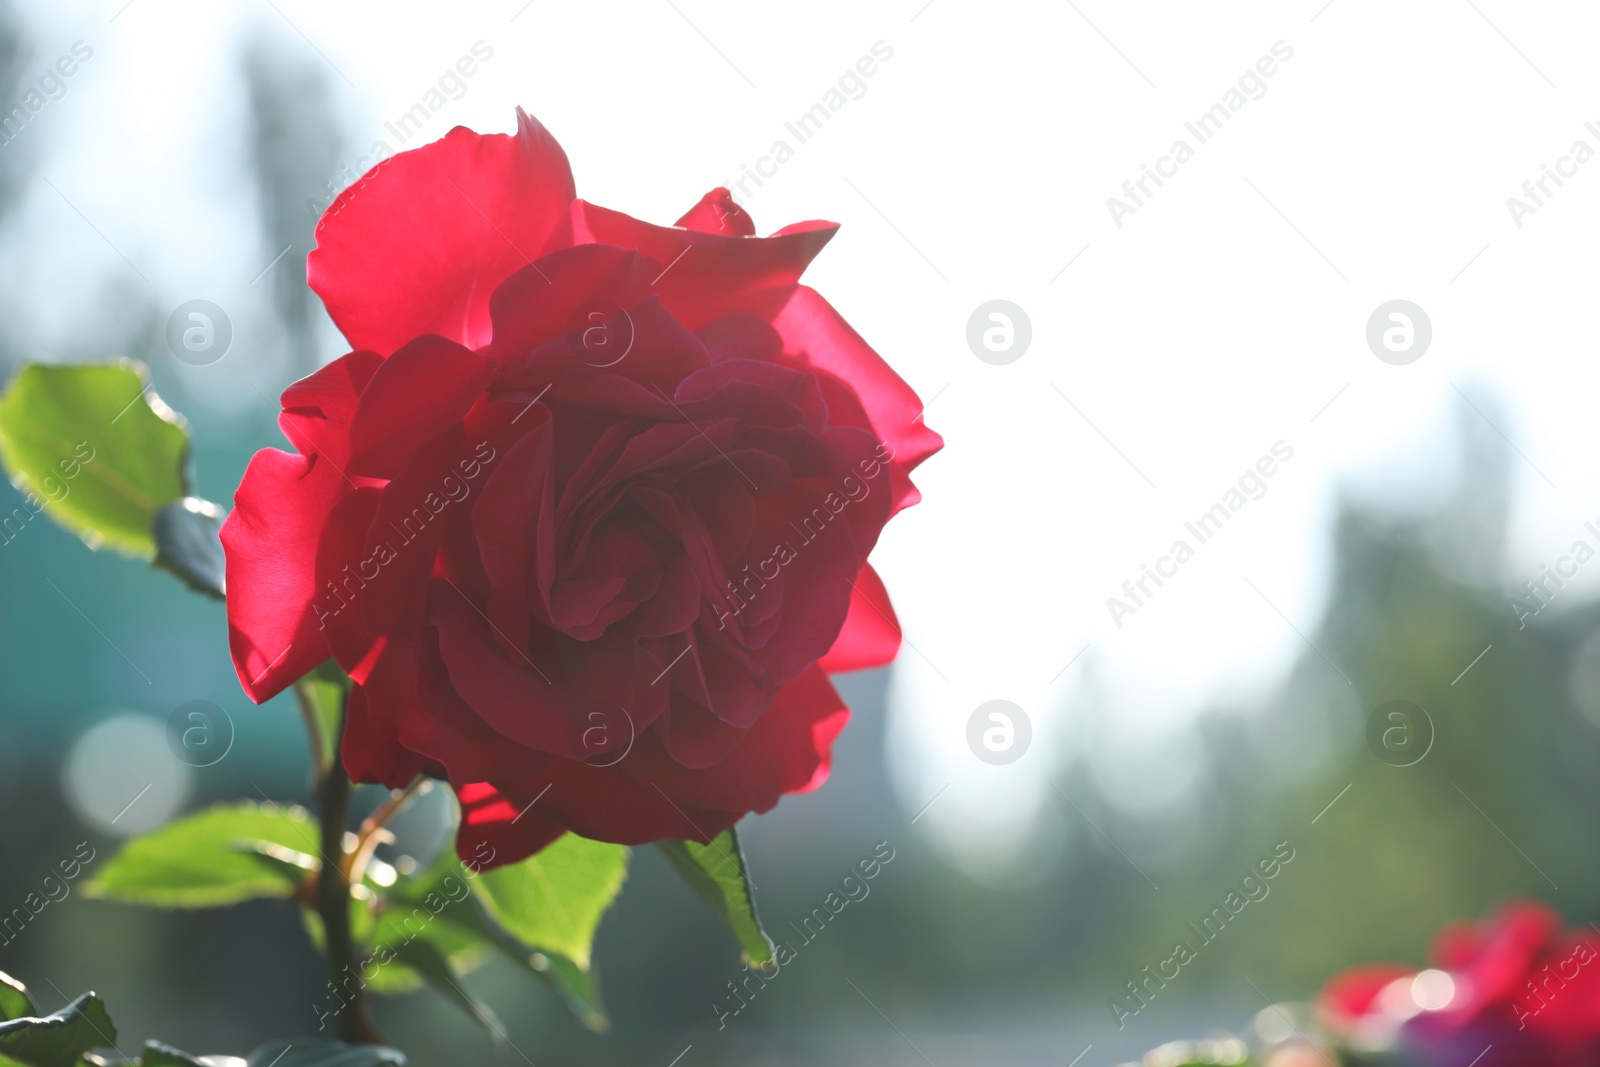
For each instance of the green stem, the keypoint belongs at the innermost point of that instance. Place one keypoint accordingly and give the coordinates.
(333, 904)
(313, 732)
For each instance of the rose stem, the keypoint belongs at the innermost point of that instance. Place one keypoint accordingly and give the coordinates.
(333, 902)
(313, 732)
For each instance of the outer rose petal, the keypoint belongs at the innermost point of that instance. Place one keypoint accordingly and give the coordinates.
(494, 832)
(817, 338)
(701, 271)
(646, 796)
(418, 244)
(537, 303)
(406, 532)
(371, 751)
(717, 213)
(427, 386)
(270, 540)
(318, 409)
(604, 806)
(871, 634)
(789, 750)
(337, 606)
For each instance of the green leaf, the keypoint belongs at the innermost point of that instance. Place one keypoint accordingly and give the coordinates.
(158, 1055)
(720, 877)
(554, 900)
(434, 905)
(101, 452)
(435, 908)
(14, 1000)
(578, 988)
(62, 1039)
(449, 922)
(292, 864)
(426, 959)
(314, 1052)
(187, 544)
(59, 1040)
(220, 856)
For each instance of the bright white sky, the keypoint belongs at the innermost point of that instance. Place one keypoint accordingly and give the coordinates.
(976, 166)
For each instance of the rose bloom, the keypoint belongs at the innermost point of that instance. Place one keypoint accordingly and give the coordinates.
(585, 515)
(1517, 982)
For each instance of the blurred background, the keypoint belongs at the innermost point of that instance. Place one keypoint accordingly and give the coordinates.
(1168, 749)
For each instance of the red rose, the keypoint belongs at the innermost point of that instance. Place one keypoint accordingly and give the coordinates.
(1517, 985)
(586, 513)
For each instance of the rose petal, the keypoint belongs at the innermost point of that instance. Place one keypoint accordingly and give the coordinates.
(728, 688)
(540, 302)
(655, 349)
(717, 213)
(318, 409)
(406, 533)
(789, 750)
(515, 697)
(853, 376)
(371, 750)
(741, 335)
(514, 519)
(425, 387)
(421, 241)
(270, 541)
(813, 546)
(700, 272)
(696, 738)
(449, 733)
(602, 805)
(871, 633)
(342, 557)
(494, 832)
